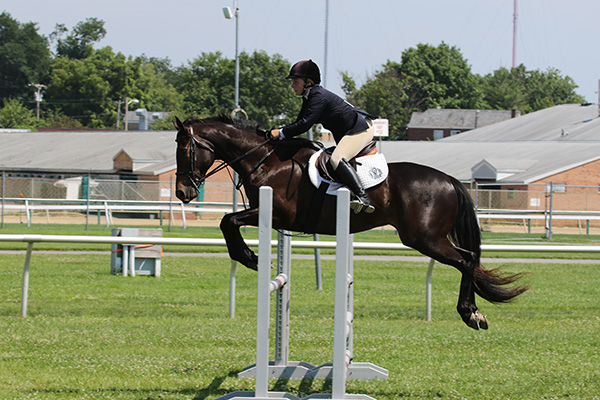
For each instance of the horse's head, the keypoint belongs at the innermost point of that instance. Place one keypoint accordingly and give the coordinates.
(195, 155)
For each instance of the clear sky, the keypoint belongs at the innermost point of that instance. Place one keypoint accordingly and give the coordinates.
(363, 35)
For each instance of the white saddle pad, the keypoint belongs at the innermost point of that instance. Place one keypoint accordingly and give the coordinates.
(372, 170)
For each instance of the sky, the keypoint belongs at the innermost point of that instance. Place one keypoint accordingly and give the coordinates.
(362, 35)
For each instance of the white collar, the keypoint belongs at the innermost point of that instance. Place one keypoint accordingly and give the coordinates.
(305, 95)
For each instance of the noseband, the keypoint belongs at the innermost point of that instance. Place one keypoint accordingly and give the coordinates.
(191, 174)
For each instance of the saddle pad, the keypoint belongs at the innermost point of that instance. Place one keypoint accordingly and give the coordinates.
(371, 169)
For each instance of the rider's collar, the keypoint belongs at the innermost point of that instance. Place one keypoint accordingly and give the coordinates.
(306, 92)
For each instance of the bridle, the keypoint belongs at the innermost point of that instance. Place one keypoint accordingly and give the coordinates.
(198, 179)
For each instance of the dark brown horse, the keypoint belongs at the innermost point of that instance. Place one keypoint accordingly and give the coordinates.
(432, 212)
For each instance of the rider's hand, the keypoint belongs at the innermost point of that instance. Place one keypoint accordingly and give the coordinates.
(274, 134)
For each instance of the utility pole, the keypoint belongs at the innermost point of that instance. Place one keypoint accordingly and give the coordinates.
(326, 43)
(38, 97)
(514, 49)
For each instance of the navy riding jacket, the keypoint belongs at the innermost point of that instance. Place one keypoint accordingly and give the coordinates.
(324, 107)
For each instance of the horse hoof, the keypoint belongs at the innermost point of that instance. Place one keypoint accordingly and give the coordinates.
(478, 321)
(252, 265)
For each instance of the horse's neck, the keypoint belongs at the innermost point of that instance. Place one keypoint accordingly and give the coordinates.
(233, 146)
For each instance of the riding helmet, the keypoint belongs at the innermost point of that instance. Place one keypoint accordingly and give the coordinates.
(305, 69)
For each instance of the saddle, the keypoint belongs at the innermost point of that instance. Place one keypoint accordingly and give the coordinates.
(324, 166)
(370, 165)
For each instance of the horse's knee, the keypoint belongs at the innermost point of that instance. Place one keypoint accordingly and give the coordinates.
(226, 223)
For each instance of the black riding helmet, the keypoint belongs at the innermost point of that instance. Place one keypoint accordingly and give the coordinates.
(305, 69)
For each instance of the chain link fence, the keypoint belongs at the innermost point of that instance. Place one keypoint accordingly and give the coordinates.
(54, 194)
(535, 198)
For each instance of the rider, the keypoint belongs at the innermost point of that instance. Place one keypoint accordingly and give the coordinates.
(351, 127)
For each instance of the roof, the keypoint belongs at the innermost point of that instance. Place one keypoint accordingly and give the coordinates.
(457, 119)
(533, 160)
(555, 123)
(520, 150)
(82, 151)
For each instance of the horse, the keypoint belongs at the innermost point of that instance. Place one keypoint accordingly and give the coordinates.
(432, 212)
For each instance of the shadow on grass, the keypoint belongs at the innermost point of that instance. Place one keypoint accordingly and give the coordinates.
(214, 388)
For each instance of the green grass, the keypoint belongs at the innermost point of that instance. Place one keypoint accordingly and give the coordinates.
(92, 335)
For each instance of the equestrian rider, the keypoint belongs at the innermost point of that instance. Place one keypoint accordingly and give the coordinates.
(351, 127)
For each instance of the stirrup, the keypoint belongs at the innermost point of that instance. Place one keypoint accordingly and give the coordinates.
(358, 206)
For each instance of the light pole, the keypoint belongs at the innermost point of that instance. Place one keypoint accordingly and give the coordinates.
(229, 15)
(38, 97)
(127, 103)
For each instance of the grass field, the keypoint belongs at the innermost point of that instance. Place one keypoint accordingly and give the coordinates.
(92, 335)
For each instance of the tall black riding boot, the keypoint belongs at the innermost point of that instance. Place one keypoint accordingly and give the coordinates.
(349, 177)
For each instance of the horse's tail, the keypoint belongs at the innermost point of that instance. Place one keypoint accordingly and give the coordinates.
(466, 234)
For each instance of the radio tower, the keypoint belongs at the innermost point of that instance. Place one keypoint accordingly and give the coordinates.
(325, 47)
(514, 48)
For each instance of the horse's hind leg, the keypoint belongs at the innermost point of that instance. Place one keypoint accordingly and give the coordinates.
(466, 298)
(443, 251)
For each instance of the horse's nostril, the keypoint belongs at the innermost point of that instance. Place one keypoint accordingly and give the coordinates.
(180, 194)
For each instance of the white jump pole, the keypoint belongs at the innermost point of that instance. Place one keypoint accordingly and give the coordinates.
(263, 297)
(265, 286)
(342, 330)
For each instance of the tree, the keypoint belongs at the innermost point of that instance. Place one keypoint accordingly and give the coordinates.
(156, 92)
(79, 44)
(427, 77)
(528, 91)
(14, 115)
(439, 77)
(502, 91)
(87, 89)
(384, 95)
(24, 58)
(208, 87)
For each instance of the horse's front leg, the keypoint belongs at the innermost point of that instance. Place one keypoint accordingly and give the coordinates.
(230, 226)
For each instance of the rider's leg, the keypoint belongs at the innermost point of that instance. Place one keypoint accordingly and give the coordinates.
(346, 149)
(360, 201)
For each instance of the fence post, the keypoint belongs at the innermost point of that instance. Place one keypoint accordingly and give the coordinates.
(549, 215)
(3, 178)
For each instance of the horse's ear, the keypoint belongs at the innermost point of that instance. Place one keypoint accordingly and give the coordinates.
(178, 124)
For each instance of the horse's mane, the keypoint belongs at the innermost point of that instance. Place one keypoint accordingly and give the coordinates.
(224, 119)
(249, 125)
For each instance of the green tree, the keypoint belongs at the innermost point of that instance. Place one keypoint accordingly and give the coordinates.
(87, 89)
(78, 45)
(14, 115)
(528, 91)
(427, 77)
(155, 90)
(208, 85)
(24, 58)
(384, 95)
(439, 77)
(502, 91)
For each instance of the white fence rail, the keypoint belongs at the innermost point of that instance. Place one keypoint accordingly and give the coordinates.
(31, 239)
(29, 206)
(108, 207)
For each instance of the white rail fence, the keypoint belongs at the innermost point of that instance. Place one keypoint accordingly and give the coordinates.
(311, 244)
(108, 207)
(29, 207)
